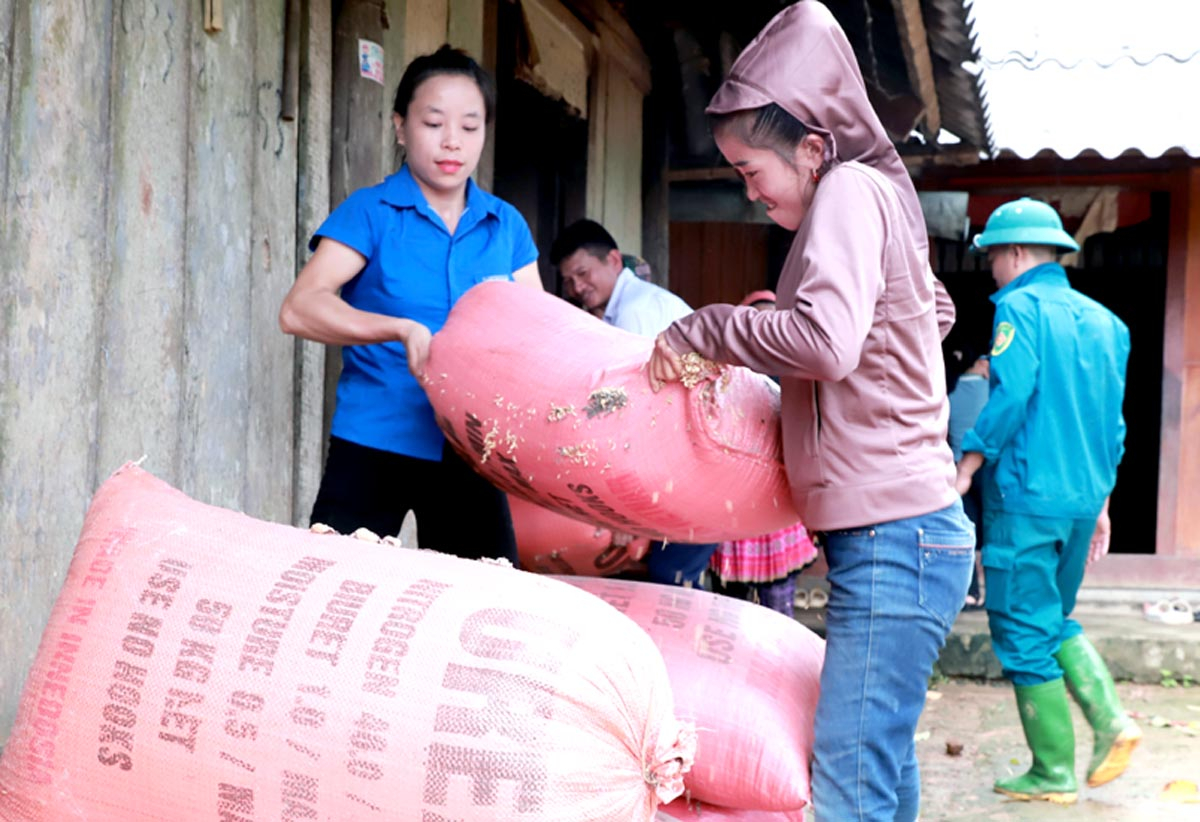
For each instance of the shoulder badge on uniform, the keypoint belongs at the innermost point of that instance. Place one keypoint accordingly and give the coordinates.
(1004, 337)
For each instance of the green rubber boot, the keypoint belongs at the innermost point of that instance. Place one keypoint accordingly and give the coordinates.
(1046, 719)
(1092, 686)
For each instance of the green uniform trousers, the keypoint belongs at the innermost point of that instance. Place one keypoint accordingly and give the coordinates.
(1033, 569)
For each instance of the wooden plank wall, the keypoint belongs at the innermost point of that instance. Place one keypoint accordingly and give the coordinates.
(718, 262)
(55, 258)
(154, 210)
(623, 160)
(267, 485)
(473, 26)
(425, 26)
(1179, 516)
(619, 84)
(312, 206)
(419, 27)
(615, 154)
(149, 234)
(6, 69)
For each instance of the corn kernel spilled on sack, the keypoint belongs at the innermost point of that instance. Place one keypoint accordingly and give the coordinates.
(553, 405)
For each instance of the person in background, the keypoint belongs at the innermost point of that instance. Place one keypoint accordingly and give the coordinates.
(595, 275)
(639, 266)
(856, 343)
(594, 272)
(764, 568)
(388, 264)
(967, 397)
(1049, 441)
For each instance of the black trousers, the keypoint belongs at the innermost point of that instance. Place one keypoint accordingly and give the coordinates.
(458, 511)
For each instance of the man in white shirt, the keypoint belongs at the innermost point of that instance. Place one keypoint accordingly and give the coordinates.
(593, 270)
(595, 273)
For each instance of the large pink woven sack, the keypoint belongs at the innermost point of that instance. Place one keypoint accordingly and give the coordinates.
(200, 664)
(748, 677)
(550, 543)
(683, 811)
(553, 405)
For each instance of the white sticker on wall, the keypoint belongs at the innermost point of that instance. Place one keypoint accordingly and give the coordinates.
(370, 60)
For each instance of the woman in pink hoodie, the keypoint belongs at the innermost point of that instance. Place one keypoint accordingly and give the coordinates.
(856, 344)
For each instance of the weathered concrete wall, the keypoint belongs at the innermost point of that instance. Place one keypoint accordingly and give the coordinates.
(149, 233)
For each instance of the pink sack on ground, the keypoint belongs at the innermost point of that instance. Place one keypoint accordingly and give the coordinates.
(553, 405)
(747, 676)
(200, 664)
(683, 811)
(550, 543)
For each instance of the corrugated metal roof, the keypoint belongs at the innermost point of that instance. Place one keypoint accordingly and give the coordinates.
(951, 44)
(1090, 76)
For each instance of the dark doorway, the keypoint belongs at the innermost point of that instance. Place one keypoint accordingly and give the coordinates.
(1126, 271)
(541, 150)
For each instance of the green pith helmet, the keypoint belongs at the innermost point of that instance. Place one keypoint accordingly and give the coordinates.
(1024, 222)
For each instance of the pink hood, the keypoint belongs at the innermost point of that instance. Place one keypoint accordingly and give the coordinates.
(802, 61)
(855, 340)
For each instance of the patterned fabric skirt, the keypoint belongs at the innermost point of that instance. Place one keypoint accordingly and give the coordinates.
(765, 558)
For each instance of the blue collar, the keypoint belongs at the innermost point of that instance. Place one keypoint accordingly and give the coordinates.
(1048, 273)
(402, 191)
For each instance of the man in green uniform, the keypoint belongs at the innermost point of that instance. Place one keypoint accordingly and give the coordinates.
(1048, 441)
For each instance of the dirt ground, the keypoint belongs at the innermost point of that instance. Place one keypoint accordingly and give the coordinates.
(982, 718)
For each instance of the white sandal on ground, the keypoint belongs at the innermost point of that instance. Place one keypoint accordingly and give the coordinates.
(818, 598)
(1168, 612)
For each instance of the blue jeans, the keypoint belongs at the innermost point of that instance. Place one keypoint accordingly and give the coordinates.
(678, 563)
(896, 588)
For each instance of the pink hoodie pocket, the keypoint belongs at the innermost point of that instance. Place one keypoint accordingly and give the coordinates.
(803, 450)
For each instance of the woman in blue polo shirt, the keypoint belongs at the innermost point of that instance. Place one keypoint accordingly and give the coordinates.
(389, 263)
